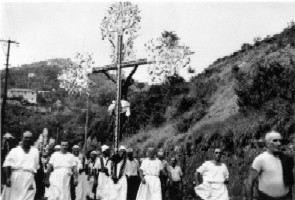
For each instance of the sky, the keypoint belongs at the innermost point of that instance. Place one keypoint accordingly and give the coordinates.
(212, 30)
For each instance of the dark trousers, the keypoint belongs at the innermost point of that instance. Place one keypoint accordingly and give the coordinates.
(263, 196)
(72, 188)
(175, 190)
(163, 180)
(133, 183)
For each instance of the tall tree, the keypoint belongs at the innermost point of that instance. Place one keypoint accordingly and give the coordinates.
(121, 16)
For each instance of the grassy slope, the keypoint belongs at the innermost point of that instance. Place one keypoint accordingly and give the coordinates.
(222, 115)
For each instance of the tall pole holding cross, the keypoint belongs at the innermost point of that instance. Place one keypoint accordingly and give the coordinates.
(118, 102)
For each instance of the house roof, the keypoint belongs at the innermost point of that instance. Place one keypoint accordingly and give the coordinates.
(21, 90)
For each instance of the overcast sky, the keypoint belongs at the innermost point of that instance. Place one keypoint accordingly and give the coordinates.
(212, 30)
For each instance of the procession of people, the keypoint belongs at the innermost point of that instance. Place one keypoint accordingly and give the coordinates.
(110, 174)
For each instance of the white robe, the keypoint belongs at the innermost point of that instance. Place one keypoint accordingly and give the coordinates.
(63, 164)
(103, 180)
(118, 191)
(23, 166)
(213, 187)
(80, 190)
(151, 190)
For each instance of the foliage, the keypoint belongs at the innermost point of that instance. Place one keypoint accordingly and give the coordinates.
(74, 76)
(267, 81)
(123, 18)
(169, 56)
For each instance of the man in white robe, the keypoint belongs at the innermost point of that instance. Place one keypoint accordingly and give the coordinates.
(63, 165)
(150, 169)
(118, 184)
(211, 178)
(80, 190)
(20, 165)
(102, 169)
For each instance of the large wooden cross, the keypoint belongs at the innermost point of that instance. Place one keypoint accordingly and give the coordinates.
(118, 66)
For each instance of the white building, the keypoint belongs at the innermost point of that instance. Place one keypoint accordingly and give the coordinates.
(28, 94)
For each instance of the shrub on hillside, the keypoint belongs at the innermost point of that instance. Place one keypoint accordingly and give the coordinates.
(266, 82)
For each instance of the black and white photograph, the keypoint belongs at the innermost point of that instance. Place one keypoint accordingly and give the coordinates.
(147, 100)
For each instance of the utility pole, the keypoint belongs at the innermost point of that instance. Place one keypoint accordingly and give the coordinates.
(6, 80)
(86, 124)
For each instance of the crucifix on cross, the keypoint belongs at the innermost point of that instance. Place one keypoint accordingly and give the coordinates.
(121, 90)
(118, 66)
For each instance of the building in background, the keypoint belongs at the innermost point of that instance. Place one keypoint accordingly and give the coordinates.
(29, 95)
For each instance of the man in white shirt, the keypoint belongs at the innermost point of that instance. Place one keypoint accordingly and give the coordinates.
(21, 165)
(211, 178)
(63, 165)
(273, 171)
(132, 174)
(175, 186)
(164, 174)
(80, 189)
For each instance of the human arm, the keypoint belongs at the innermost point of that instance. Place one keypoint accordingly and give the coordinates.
(226, 175)
(199, 173)
(75, 174)
(253, 175)
(7, 171)
(9, 162)
(49, 170)
(199, 179)
(142, 176)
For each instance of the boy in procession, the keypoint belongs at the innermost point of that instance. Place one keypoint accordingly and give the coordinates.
(21, 165)
(132, 174)
(80, 189)
(176, 184)
(90, 173)
(102, 169)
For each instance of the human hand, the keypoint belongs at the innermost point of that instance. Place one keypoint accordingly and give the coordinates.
(8, 182)
(46, 183)
(75, 182)
(143, 180)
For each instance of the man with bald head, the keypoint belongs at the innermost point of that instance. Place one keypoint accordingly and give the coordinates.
(20, 166)
(273, 170)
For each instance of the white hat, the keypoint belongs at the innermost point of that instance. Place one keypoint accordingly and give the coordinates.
(28, 133)
(271, 135)
(7, 135)
(122, 148)
(104, 148)
(76, 147)
(93, 152)
(129, 150)
(57, 147)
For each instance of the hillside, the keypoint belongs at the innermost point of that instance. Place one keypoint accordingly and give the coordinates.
(216, 87)
(230, 104)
